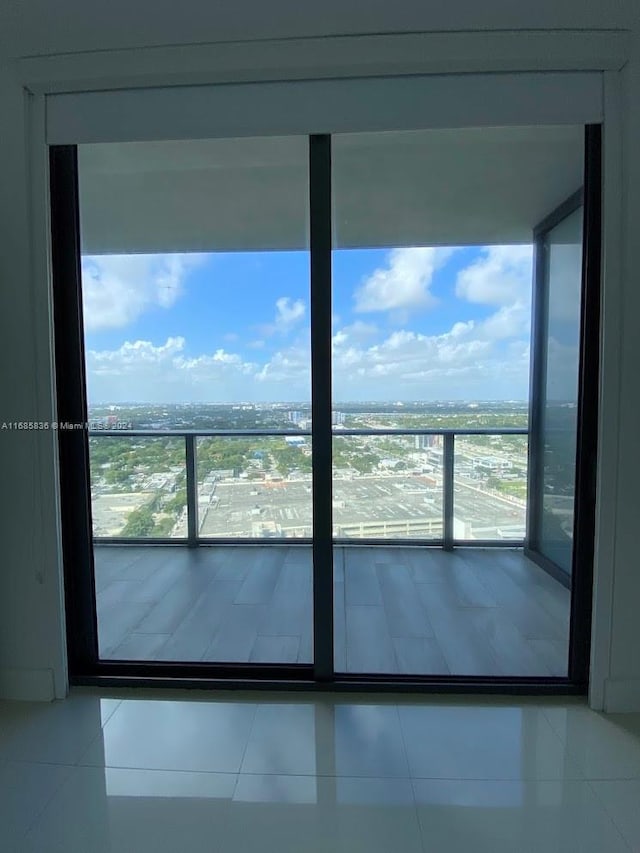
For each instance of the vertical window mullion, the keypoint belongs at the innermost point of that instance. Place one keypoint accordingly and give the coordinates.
(588, 398)
(536, 391)
(320, 241)
(71, 406)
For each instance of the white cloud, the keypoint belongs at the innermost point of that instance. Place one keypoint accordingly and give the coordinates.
(133, 356)
(403, 283)
(500, 276)
(117, 289)
(288, 368)
(356, 332)
(145, 372)
(473, 359)
(509, 321)
(288, 312)
(485, 360)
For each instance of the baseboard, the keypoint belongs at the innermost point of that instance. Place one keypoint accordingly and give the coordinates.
(621, 695)
(31, 685)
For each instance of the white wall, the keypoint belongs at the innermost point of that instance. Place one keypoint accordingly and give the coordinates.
(31, 635)
(622, 689)
(31, 614)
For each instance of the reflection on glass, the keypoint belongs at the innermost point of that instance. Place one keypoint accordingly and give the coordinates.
(387, 487)
(560, 412)
(254, 487)
(138, 487)
(490, 487)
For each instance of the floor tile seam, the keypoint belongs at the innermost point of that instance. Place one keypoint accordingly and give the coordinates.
(98, 735)
(38, 763)
(411, 777)
(140, 769)
(256, 773)
(483, 779)
(547, 612)
(596, 715)
(298, 774)
(477, 575)
(149, 633)
(104, 722)
(423, 839)
(635, 777)
(513, 623)
(446, 656)
(416, 813)
(421, 834)
(247, 742)
(48, 800)
(605, 809)
(571, 755)
(401, 700)
(302, 774)
(403, 739)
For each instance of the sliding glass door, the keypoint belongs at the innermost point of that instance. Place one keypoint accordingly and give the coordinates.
(559, 248)
(432, 341)
(195, 284)
(309, 446)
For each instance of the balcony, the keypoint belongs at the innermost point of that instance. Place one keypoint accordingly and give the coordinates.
(439, 487)
(399, 607)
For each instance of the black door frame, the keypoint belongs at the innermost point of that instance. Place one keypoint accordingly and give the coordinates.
(580, 579)
(538, 378)
(85, 667)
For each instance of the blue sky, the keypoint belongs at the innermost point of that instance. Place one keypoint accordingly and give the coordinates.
(409, 324)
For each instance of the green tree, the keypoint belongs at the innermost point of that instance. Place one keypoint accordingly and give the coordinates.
(140, 522)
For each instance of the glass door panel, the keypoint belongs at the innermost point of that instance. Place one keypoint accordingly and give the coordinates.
(195, 279)
(432, 286)
(563, 280)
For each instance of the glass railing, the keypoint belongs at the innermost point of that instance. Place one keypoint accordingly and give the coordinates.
(386, 487)
(138, 486)
(490, 487)
(441, 486)
(254, 486)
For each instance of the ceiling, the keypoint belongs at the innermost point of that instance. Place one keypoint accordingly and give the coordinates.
(476, 186)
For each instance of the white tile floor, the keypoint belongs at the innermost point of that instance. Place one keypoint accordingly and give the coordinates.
(180, 773)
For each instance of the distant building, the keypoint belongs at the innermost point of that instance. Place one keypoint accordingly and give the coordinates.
(338, 418)
(425, 442)
(491, 465)
(295, 417)
(389, 462)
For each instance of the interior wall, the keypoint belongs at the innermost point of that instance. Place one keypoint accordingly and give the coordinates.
(31, 614)
(39, 27)
(32, 652)
(622, 685)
